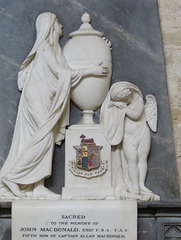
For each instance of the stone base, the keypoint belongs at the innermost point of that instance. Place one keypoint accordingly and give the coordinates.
(88, 193)
(154, 218)
(74, 220)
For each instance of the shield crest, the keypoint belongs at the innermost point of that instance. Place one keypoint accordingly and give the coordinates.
(87, 154)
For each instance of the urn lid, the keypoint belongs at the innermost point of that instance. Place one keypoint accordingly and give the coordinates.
(86, 28)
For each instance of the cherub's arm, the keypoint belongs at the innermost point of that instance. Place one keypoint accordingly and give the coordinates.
(135, 113)
(120, 105)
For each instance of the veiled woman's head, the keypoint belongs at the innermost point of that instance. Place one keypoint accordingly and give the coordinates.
(47, 26)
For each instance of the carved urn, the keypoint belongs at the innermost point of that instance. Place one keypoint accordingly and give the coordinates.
(86, 48)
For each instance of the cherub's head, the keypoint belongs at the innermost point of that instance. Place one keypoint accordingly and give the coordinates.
(124, 92)
(122, 95)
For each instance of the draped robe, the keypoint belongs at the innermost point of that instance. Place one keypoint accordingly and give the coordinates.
(42, 117)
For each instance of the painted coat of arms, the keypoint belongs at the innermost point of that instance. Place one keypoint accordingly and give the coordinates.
(87, 154)
(88, 159)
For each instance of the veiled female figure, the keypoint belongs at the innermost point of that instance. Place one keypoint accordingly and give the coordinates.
(45, 80)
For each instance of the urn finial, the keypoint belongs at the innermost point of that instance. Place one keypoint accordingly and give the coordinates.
(86, 18)
(86, 28)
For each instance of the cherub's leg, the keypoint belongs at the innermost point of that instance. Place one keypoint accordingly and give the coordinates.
(132, 160)
(143, 151)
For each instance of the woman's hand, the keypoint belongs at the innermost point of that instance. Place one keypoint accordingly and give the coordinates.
(98, 70)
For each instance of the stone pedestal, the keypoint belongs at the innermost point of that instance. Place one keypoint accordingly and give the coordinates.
(87, 164)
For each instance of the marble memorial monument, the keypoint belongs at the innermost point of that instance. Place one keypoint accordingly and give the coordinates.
(108, 160)
(45, 79)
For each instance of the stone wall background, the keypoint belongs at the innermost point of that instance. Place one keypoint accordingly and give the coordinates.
(170, 19)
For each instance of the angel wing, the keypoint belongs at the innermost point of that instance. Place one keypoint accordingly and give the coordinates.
(151, 112)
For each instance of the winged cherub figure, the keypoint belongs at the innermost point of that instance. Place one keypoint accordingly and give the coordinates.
(124, 119)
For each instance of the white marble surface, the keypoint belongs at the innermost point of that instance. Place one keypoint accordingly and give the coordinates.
(96, 183)
(74, 220)
(123, 120)
(133, 46)
(45, 79)
(86, 48)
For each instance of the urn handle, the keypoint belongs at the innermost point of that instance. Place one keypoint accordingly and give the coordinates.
(108, 42)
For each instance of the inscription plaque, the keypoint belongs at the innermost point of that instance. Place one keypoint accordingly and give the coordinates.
(74, 220)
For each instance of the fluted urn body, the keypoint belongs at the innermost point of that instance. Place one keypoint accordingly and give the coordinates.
(86, 48)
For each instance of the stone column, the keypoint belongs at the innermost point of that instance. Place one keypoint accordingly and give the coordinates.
(170, 18)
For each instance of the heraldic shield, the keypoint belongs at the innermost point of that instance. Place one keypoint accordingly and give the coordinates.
(87, 154)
